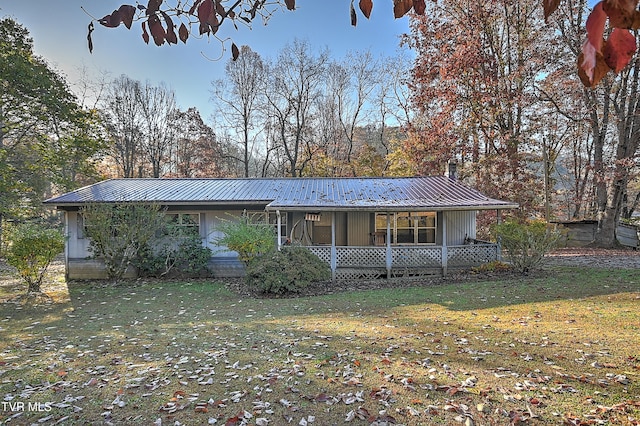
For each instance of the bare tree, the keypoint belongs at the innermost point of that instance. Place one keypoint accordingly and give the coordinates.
(353, 93)
(158, 107)
(122, 115)
(238, 99)
(295, 80)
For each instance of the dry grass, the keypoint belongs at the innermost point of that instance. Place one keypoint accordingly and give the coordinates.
(559, 348)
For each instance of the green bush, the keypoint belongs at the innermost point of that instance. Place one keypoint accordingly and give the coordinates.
(285, 271)
(167, 257)
(117, 232)
(526, 243)
(31, 250)
(247, 238)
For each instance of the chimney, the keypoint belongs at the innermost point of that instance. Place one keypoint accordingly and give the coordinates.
(451, 170)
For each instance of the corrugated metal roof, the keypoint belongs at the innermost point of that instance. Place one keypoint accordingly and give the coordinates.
(412, 193)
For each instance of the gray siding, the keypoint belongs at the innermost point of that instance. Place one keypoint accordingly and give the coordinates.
(77, 244)
(358, 229)
(459, 224)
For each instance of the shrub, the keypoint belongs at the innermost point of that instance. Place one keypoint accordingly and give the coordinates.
(117, 232)
(31, 250)
(174, 255)
(286, 271)
(246, 238)
(526, 243)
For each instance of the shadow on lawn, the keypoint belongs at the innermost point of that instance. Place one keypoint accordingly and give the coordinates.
(479, 292)
(458, 293)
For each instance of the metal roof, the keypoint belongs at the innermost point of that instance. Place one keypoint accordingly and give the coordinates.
(407, 193)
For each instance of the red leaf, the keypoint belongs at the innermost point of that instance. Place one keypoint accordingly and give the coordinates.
(145, 34)
(157, 30)
(204, 11)
(549, 7)
(172, 38)
(593, 45)
(183, 33)
(233, 421)
(401, 7)
(321, 397)
(619, 49)
(153, 6)
(220, 9)
(636, 20)
(419, 7)
(354, 17)
(89, 42)
(194, 6)
(171, 33)
(595, 26)
(600, 69)
(234, 51)
(366, 6)
(127, 12)
(291, 4)
(621, 12)
(111, 21)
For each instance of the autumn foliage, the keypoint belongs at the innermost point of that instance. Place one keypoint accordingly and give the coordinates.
(158, 21)
(598, 57)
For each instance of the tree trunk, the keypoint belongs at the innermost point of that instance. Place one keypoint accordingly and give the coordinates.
(34, 287)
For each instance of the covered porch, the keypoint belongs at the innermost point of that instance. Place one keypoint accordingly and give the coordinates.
(372, 244)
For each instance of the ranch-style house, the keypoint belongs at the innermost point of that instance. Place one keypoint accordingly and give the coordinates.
(362, 227)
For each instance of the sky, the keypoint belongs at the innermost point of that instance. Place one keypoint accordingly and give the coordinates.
(59, 31)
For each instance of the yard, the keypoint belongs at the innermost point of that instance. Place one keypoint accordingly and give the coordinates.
(558, 347)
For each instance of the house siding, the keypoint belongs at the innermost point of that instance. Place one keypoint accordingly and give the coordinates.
(78, 245)
(358, 229)
(459, 225)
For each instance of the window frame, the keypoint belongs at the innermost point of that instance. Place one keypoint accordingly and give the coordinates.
(417, 223)
(269, 218)
(180, 223)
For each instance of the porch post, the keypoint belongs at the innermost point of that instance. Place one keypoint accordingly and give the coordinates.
(67, 234)
(444, 244)
(278, 223)
(334, 254)
(499, 241)
(388, 256)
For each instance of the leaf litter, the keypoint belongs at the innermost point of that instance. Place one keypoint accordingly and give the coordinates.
(195, 354)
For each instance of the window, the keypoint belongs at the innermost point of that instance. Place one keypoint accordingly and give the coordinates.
(186, 223)
(80, 226)
(409, 227)
(271, 218)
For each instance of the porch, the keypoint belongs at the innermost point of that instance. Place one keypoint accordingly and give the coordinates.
(372, 262)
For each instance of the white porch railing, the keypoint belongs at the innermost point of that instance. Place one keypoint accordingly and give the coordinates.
(371, 262)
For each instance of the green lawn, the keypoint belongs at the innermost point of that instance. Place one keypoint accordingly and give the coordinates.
(562, 348)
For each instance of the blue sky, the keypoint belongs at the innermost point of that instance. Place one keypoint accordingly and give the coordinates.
(59, 30)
